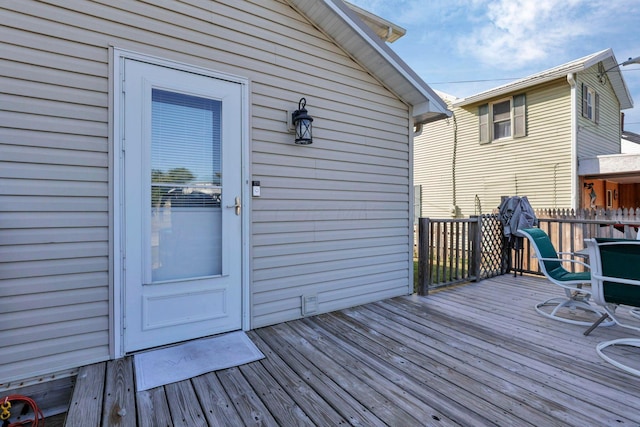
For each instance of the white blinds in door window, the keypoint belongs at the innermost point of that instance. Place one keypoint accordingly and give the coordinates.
(186, 186)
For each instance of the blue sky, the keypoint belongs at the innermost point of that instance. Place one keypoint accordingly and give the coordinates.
(463, 47)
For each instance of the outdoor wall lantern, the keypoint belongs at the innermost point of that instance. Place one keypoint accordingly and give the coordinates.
(302, 123)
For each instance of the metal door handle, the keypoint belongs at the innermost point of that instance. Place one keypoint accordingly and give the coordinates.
(238, 206)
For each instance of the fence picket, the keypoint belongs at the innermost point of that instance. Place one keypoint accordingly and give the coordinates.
(468, 249)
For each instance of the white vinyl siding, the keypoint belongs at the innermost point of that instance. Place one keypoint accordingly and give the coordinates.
(333, 219)
(433, 167)
(601, 136)
(537, 165)
(54, 215)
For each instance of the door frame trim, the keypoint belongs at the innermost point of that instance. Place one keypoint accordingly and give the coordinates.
(116, 209)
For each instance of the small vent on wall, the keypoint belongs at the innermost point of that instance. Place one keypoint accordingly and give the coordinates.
(309, 305)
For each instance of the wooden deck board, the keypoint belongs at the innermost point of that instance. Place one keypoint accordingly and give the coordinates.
(250, 406)
(397, 362)
(472, 355)
(554, 372)
(85, 408)
(382, 397)
(318, 409)
(496, 386)
(153, 408)
(119, 403)
(280, 403)
(316, 378)
(502, 370)
(219, 407)
(184, 406)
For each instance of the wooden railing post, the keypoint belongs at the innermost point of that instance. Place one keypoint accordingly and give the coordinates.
(424, 266)
(475, 237)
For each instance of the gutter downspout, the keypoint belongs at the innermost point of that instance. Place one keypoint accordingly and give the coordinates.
(571, 79)
(412, 229)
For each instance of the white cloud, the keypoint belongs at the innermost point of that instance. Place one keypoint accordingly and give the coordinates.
(515, 33)
(467, 46)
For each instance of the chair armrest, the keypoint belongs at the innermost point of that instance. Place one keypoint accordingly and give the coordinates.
(616, 280)
(564, 260)
(575, 254)
(620, 242)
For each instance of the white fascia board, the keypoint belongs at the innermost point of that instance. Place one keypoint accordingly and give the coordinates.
(561, 71)
(375, 56)
(610, 164)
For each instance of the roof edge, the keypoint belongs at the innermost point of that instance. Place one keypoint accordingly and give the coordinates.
(387, 30)
(373, 46)
(560, 72)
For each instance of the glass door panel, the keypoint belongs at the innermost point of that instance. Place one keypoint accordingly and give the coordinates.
(186, 186)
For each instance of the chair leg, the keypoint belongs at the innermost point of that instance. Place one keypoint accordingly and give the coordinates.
(632, 342)
(595, 324)
(560, 303)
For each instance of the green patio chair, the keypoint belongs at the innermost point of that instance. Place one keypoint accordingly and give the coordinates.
(615, 280)
(576, 285)
(635, 312)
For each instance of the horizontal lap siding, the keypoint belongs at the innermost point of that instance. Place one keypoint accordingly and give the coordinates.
(537, 166)
(333, 217)
(433, 168)
(54, 235)
(595, 139)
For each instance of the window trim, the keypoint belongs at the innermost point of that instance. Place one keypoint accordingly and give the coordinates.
(494, 122)
(517, 119)
(590, 104)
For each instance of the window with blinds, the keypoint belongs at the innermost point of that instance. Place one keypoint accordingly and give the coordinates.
(186, 185)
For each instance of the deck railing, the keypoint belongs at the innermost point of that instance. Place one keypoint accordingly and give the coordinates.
(568, 229)
(460, 250)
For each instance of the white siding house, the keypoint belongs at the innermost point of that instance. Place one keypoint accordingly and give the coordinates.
(82, 88)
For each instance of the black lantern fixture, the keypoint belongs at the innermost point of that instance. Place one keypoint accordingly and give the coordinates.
(302, 124)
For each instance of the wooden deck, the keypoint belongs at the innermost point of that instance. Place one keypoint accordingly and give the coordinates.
(474, 355)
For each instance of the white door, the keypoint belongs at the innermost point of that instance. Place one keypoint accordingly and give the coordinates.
(181, 210)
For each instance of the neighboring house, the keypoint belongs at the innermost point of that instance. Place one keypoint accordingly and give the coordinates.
(151, 188)
(629, 143)
(614, 179)
(524, 138)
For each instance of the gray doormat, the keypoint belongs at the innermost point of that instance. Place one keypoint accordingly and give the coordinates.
(156, 368)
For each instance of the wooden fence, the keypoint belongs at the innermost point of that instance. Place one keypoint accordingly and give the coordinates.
(568, 229)
(460, 250)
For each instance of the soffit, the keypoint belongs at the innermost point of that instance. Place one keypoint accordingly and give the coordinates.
(340, 23)
(386, 30)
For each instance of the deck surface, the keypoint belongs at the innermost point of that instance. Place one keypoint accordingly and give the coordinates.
(473, 355)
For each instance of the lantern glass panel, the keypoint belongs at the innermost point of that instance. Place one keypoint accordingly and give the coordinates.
(303, 132)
